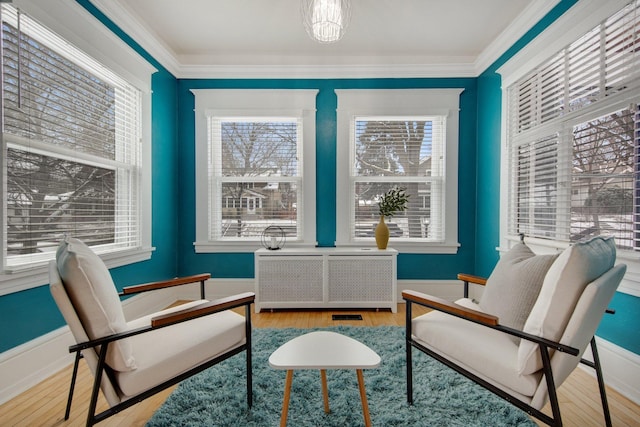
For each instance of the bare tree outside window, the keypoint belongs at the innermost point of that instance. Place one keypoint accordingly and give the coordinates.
(603, 178)
(388, 149)
(259, 170)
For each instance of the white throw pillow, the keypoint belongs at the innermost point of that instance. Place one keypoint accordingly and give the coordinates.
(575, 268)
(93, 294)
(514, 285)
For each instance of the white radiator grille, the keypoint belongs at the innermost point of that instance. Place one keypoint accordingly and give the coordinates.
(358, 279)
(292, 279)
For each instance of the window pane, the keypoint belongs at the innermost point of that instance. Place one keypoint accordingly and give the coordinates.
(263, 152)
(388, 148)
(536, 188)
(603, 177)
(424, 204)
(248, 208)
(252, 148)
(48, 197)
(51, 99)
(394, 148)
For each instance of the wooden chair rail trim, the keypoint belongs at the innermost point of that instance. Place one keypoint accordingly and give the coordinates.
(204, 309)
(472, 279)
(449, 307)
(165, 284)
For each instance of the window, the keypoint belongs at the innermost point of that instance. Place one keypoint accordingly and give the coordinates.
(258, 149)
(72, 149)
(573, 138)
(399, 138)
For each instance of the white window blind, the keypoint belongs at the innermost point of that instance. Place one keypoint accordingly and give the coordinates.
(256, 177)
(404, 152)
(72, 133)
(573, 138)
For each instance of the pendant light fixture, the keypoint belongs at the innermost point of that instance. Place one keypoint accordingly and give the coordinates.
(326, 20)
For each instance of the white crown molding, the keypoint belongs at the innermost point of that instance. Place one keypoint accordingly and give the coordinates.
(140, 33)
(418, 67)
(327, 71)
(534, 12)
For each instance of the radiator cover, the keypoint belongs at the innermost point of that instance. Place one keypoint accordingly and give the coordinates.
(326, 278)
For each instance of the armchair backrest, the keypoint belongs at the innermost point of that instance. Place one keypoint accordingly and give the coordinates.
(563, 286)
(93, 294)
(68, 311)
(582, 326)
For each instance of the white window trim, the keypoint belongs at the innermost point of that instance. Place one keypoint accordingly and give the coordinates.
(582, 17)
(254, 102)
(398, 102)
(75, 24)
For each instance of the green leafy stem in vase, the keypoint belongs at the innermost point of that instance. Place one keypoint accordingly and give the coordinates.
(394, 200)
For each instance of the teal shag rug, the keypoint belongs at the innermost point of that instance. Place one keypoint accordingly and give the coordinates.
(442, 397)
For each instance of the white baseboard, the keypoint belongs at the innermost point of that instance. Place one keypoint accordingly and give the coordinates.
(25, 366)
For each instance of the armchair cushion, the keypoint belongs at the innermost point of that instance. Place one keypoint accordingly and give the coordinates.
(514, 285)
(166, 352)
(486, 352)
(93, 294)
(563, 285)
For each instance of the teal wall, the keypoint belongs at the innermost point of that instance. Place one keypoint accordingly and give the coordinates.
(29, 314)
(409, 266)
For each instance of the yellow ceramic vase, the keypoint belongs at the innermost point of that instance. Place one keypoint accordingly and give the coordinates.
(382, 234)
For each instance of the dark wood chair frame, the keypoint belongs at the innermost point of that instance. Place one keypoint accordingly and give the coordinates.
(490, 321)
(244, 299)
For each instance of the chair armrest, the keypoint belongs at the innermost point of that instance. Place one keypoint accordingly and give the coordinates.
(449, 307)
(164, 284)
(469, 278)
(204, 309)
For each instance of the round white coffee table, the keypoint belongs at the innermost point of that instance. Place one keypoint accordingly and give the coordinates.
(324, 350)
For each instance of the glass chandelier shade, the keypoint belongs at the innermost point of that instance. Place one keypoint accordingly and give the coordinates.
(326, 20)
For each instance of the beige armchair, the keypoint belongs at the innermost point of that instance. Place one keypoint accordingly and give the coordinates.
(529, 330)
(133, 360)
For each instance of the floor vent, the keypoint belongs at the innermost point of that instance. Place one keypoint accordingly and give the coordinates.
(346, 317)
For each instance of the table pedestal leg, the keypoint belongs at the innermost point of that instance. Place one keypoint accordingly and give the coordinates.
(363, 397)
(287, 394)
(325, 391)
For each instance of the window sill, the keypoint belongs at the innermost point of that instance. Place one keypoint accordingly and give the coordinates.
(240, 247)
(409, 247)
(22, 279)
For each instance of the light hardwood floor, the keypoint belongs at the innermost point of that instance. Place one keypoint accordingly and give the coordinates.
(44, 404)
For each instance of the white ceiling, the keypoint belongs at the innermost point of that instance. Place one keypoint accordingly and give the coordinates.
(266, 38)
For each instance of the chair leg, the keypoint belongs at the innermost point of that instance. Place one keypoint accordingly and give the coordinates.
(603, 392)
(93, 402)
(249, 362)
(551, 387)
(73, 384)
(408, 335)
